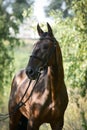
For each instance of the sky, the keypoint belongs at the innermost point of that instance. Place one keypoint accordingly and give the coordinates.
(39, 10)
(40, 16)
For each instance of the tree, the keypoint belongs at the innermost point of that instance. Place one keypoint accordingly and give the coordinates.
(63, 5)
(11, 15)
(72, 34)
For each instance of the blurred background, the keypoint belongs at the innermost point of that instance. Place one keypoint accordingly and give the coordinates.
(68, 18)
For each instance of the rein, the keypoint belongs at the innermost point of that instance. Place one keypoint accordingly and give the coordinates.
(21, 103)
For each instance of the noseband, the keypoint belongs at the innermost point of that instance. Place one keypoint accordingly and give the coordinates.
(45, 61)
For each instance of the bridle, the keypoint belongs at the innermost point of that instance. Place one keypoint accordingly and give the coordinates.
(52, 50)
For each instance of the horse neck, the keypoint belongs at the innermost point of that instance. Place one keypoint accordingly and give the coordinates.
(56, 72)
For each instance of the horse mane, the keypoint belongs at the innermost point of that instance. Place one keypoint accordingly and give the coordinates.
(59, 60)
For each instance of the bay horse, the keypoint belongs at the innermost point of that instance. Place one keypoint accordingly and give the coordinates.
(49, 100)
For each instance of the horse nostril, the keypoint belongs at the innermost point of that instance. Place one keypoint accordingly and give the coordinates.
(29, 71)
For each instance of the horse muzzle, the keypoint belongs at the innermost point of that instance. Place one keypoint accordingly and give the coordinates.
(32, 73)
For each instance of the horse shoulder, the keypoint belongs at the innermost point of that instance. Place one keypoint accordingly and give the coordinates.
(16, 82)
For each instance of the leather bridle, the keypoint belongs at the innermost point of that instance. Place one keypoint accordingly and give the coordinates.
(52, 50)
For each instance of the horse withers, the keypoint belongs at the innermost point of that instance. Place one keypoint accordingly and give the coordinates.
(48, 101)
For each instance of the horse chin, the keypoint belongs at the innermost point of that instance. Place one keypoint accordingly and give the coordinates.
(33, 77)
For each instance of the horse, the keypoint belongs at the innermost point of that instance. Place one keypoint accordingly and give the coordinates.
(49, 99)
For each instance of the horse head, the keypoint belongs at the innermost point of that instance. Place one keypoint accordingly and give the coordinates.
(43, 54)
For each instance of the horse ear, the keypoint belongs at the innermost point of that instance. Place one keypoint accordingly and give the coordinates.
(40, 31)
(49, 29)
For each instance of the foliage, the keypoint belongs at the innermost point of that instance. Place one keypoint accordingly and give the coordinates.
(60, 5)
(10, 19)
(76, 113)
(73, 38)
(21, 57)
(11, 16)
(9, 27)
(5, 39)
